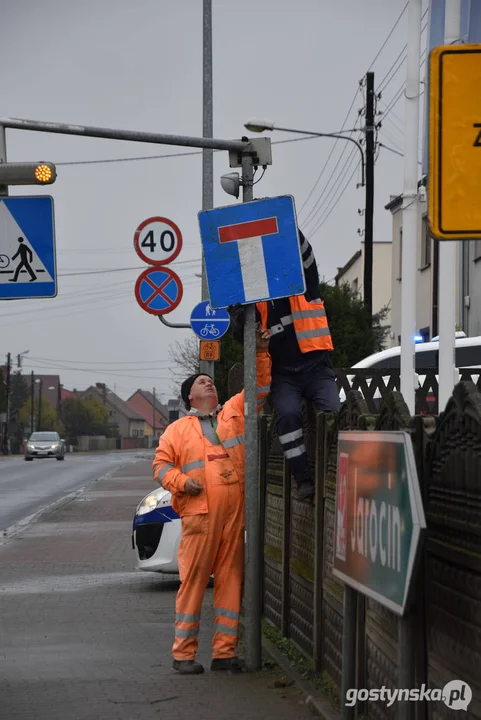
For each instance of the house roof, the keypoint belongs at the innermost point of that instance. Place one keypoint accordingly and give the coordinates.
(108, 397)
(67, 394)
(342, 270)
(147, 395)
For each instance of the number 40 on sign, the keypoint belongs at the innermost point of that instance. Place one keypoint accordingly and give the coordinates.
(158, 241)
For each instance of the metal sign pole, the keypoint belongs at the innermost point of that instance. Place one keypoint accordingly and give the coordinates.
(448, 263)
(252, 585)
(207, 366)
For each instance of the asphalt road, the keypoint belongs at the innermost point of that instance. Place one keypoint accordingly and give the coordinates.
(27, 487)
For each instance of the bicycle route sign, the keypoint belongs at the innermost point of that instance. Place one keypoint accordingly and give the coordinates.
(207, 323)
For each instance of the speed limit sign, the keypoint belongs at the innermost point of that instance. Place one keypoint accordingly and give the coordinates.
(158, 241)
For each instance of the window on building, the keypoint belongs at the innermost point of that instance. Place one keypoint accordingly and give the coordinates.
(399, 277)
(141, 433)
(425, 243)
(135, 433)
(355, 286)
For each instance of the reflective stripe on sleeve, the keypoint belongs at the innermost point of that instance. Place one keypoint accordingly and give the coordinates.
(192, 466)
(164, 470)
(231, 442)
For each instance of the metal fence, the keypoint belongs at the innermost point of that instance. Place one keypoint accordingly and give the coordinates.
(304, 600)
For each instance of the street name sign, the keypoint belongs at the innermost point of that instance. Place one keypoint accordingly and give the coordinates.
(379, 515)
(454, 173)
(158, 290)
(252, 251)
(27, 248)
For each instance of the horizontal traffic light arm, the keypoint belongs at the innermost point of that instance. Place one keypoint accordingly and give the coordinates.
(28, 173)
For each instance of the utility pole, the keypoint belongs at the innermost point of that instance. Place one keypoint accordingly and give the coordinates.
(369, 211)
(7, 416)
(448, 255)
(153, 416)
(40, 405)
(3, 156)
(207, 366)
(410, 207)
(32, 402)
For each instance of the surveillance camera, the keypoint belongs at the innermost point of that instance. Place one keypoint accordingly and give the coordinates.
(231, 183)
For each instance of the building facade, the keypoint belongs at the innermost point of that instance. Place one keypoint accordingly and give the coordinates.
(353, 274)
(155, 414)
(122, 417)
(427, 275)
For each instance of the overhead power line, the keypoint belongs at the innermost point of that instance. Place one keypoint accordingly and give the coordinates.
(388, 37)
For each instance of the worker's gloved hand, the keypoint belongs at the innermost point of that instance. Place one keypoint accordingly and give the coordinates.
(192, 487)
(262, 338)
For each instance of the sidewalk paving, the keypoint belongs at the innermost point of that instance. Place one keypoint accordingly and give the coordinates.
(85, 636)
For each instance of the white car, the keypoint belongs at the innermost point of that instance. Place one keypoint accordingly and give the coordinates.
(156, 533)
(467, 355)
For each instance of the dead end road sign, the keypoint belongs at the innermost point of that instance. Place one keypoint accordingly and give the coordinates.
(379, 516)
(252, 251)
(158, 290)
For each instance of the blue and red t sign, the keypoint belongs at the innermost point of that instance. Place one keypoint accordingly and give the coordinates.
(158, 290)
(252, 252)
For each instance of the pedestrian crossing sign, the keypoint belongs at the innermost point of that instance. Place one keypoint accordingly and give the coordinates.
(27, 248)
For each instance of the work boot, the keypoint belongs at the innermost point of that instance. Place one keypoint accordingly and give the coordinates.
(188, 667)
(306, 490)
(233, 665)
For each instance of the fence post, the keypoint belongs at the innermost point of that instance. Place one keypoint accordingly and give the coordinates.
(286, 550)
(321, 461)
(263, 461)
(420, 630)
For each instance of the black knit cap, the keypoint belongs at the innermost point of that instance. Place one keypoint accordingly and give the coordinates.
(187, 385)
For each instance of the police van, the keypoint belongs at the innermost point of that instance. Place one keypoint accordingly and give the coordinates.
(467, 355)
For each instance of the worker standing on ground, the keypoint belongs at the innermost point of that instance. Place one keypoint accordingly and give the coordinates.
(301, 367)
(200, 460)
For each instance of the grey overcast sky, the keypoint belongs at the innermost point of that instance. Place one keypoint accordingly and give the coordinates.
(116, 63)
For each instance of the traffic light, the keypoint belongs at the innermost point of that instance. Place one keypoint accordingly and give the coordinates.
(28, 173)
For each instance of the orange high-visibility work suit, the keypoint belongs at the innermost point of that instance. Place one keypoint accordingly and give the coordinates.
(209, 449)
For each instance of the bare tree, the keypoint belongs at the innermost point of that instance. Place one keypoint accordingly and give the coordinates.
(185, 360)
